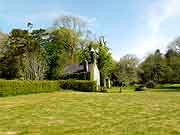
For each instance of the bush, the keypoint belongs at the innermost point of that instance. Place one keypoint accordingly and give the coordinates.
(19, 87)
(139, 87)
(79, 85)
(150, 84)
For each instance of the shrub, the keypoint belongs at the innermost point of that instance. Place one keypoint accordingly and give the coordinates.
(150, 84)
(139, 87)
(79, 85)
(19, 87)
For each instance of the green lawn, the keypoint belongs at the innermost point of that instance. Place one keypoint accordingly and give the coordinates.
(71, 113)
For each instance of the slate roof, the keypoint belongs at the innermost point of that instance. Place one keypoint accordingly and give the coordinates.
(73, 68)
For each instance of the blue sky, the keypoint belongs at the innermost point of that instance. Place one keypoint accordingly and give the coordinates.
(130, 26)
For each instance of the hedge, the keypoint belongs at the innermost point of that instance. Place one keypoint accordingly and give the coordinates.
(21, 87)
(79, 85)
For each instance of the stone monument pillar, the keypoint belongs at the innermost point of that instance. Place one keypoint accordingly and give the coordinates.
(94, 73)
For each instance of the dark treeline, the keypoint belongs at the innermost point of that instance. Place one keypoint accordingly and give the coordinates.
(162, 68)
(39, 54)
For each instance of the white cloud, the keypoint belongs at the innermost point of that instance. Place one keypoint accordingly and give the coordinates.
(147, 44)
(161, 11)
(151, 36)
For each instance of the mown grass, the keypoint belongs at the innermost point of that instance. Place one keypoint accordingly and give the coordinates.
(77, 113)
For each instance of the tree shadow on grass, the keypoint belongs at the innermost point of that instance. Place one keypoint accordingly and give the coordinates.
(167, 89)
